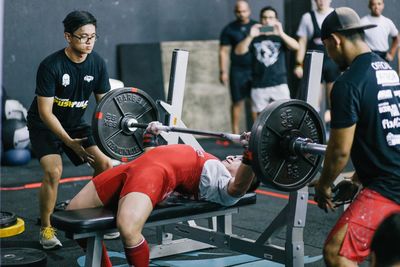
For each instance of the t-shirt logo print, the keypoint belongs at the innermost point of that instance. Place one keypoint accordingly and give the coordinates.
(267, 52)
(66, 80)
(88, 78)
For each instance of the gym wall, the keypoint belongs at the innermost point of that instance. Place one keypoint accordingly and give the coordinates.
(33, 30)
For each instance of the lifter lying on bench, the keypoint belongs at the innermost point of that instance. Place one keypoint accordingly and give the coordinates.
(138, 186)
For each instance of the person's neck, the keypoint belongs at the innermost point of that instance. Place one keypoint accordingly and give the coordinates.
(375, 15)
(74, 56)
(323, 10)
(356, 49)
(244, 21)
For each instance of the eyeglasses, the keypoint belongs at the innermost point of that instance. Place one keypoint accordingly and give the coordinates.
(85, 39)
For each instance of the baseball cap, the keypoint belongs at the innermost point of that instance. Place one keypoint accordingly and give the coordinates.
(342, 19)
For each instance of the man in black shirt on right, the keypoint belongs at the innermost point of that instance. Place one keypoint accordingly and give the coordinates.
(365, 126)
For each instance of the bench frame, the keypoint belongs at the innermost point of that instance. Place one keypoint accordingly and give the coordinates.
(165, 245)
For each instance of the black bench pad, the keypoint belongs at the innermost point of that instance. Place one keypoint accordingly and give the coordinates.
(97, 219)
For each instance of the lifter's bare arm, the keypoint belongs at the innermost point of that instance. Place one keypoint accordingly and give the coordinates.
(240, 184)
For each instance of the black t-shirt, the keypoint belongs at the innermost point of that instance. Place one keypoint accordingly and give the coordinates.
(368, 95)
(231, 35)
(269, 63)
(71, 85)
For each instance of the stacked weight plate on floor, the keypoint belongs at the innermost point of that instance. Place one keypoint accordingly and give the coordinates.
(271, 135)
(109, 127)
(10, 225)
(22, 257)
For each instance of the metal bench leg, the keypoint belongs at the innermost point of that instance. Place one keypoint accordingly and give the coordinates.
(94, 251)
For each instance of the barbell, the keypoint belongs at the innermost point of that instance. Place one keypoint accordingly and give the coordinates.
(286, 141)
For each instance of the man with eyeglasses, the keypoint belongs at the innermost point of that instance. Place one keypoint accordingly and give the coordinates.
(64, 82)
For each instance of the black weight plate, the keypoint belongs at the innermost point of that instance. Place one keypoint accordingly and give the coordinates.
(22, 257)
(110, 135)
(7, 219)
(272, 162)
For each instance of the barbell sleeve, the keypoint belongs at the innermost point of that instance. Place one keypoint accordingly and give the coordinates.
(305, 145)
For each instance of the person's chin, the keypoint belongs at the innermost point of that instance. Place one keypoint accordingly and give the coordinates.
(88, 50)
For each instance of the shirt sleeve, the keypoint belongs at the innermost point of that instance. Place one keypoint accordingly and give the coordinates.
(305, 26)
(393, 30)
(214, 182)
(45, 82)
(345, 105)
(224, 38)
(103, 85)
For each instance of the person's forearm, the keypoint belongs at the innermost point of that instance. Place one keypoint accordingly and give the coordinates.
(393, 48)
(51, 121)
(238, 186)
(243, 47)
(300, 54)
(290, 42)
(334, 163)
(223, 61)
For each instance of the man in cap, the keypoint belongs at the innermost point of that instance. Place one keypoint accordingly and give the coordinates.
(365, 126)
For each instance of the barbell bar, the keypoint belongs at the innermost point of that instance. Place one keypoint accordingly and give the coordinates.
(132, 125)
(287, 139)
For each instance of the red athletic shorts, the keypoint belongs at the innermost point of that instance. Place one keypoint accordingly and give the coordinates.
(156, 173)
(363, 217)
(113, 184)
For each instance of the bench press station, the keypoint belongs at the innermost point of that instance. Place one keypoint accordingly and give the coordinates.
(176, 215)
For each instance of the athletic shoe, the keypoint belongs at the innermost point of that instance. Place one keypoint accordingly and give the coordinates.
(48, 238)
(110, 236)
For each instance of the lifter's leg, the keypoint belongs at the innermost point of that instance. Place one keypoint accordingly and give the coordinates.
(88, 198)
(133, 211)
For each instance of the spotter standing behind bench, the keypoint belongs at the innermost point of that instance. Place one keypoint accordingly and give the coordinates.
(137, 187)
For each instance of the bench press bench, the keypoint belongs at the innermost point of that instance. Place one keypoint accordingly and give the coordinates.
(93, 223)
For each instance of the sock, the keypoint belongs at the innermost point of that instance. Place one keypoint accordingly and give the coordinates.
(138, 255)
(105, 260)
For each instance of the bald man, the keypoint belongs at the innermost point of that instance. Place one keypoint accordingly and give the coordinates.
(238, 75)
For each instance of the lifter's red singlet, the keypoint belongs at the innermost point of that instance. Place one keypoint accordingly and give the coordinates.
(156, 173)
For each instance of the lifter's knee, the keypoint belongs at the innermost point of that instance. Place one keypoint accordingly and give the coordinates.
(130, 227)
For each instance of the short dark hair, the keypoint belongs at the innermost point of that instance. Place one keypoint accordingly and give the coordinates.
(268, 8)
(354, 35)
(385, 243)
(77, 19)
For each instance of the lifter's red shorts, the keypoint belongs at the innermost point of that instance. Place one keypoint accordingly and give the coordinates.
(363, 217)
(150, 180)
